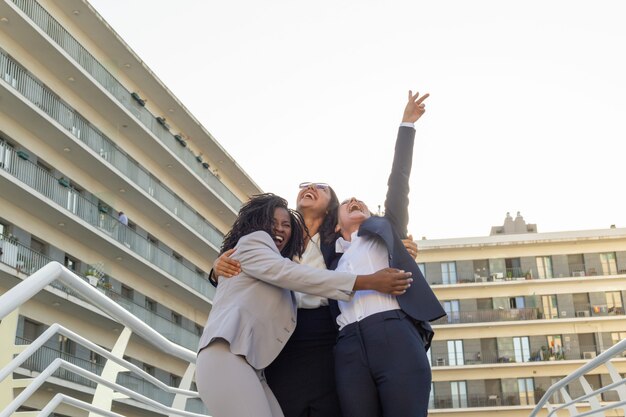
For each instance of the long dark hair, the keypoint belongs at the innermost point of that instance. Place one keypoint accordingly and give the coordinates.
(327, 229)
(258, 214)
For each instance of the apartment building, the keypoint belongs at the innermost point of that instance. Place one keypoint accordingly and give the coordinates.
(88, 132)
(524, 310)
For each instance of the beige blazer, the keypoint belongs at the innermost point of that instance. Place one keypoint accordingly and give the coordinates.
(256, 310)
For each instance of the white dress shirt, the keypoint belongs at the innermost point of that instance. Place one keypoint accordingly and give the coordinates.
(312, 256)
(361, 256)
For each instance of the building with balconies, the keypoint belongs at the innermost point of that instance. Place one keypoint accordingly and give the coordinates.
(524, 310)
(87, 131)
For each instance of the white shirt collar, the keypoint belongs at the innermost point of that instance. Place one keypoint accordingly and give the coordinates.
(342, 245)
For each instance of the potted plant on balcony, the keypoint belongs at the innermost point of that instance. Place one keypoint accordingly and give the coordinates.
(529, 274)
(180, 140)
(94, 276)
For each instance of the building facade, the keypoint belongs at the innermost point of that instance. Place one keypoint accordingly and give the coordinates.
(103, 170)
(524, 310)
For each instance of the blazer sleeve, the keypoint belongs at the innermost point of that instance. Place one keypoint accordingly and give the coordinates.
(397, 199)
(260, 259)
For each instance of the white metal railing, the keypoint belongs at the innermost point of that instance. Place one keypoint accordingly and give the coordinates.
(24, 291)
(27, 261)
(92, 66)
(71, 121)
(43, 182)
(589, 401)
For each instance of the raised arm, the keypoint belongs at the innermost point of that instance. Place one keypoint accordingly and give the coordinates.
(397, 199)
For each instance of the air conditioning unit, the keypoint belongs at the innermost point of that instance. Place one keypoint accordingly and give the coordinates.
(582, 313)
(479, 279)
(578, 273)
(589, 355)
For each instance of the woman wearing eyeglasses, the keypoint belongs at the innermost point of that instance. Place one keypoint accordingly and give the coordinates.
(302, 377)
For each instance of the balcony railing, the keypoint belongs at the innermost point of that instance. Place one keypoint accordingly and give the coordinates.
(27, 261)
(518, 274)
(69, 199)
(482, 400)
(81, 129)
(480, 316)
(44, 356)
(83, 58)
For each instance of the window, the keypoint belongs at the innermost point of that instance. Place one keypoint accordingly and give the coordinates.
(32, 329)
(576, 265)
(67, 345)
(614, 302)
(151, 305)
(3, 229)
(555, 347)
(71, 263)
(455, 352)
(513, 267)
(200, 330)
(459, 394)
(609, 264)
(175, 380)
(516, 302)
(422, 268)
(451, 307)
(431, 396)
(177, 318)
(616, 337)
(128, 292)
(38, 246)
(6, 152)
(149, 369)
(448, 272)
(521, 348)
(544, 267)
(481, 270)
(526, 388)
(550, 310)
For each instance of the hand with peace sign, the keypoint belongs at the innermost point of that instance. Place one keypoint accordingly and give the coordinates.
(414, 108)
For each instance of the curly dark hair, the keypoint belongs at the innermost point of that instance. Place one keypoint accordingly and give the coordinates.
(258, 214)
(327, 229)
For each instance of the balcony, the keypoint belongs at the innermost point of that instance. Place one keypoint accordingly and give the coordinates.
(71, 201)
(480, 400)
(107, 81)
(27, 261)
(45, 355)
(482, 316)
(80, 129)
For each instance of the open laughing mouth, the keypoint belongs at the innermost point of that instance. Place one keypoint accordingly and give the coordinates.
(354, 207)
(278, 240)
(310, 195)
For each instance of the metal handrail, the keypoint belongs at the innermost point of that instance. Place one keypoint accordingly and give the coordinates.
(26, 289)
(619, 384)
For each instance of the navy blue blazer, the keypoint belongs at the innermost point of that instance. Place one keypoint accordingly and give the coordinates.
(419, 301)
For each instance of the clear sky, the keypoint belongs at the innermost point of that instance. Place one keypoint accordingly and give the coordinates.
(527, 109)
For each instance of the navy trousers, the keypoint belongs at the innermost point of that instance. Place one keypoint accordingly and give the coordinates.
(303, 376)
(382, 368)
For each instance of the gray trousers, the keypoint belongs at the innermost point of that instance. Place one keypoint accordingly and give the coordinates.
(230, 387)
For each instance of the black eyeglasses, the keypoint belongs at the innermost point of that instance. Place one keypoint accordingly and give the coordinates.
(318, 185)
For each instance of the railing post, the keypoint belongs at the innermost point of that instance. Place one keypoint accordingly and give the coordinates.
(594, 403)
(8, 328)
(103, 397)
(180, 401)
(616, 377)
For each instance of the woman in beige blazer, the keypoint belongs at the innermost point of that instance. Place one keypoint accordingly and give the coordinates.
(254, 315)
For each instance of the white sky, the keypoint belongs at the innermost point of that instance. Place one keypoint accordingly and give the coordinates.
(527, 107)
